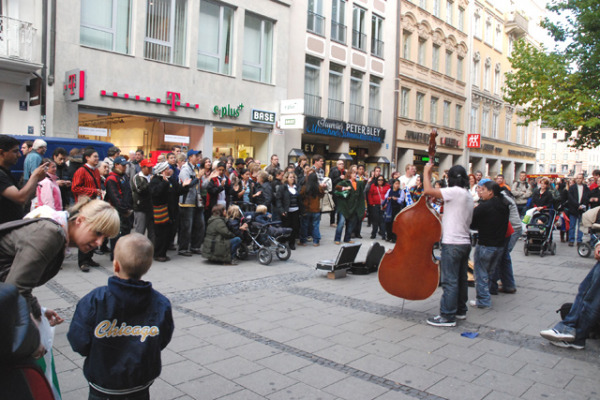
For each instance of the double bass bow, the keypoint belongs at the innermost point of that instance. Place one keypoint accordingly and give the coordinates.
(409, 270)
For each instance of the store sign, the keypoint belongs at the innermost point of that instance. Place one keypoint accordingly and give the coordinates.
(449, 142)
(420, 137)
(294, 106)
(345, 130)
(74, 85)
(228, 111)
(422, 160)
(521, 153)
(173, 99)
(87, 131)
(473, 140)
(291, 121)
(177, 139)
(263, 117)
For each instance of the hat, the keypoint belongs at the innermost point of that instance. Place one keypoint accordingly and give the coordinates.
(484, 180)
(121, 160)
(146, 163)
(192, 152)
(240, 161)
(160, 167)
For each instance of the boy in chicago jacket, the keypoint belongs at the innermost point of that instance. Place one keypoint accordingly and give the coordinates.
(122, 328)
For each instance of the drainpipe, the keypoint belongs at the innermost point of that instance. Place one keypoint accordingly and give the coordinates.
(396, 86)
(52, 55)
(44, 51)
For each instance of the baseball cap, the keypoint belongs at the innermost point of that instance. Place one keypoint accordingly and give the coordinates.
(121, 160)
(484, 180)
(146, 163)
(192, 152)
(240, 161)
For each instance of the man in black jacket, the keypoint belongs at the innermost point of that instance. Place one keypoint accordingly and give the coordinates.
(118, 194)
(579, 197)
(337, 174)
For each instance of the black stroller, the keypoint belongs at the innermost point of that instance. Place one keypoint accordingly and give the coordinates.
(538, 238)
(264, 239)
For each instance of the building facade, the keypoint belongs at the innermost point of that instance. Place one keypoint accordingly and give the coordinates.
(556, 157)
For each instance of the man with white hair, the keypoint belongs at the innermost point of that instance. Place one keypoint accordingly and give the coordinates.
(34, 158)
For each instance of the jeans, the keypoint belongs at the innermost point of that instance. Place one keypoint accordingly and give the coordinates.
(575, 223)
(311, 227)
(125, 229)
(585, 310)
(350, 225)
(191, 228)
(504, 272)
(454, 263)
(487, 259)
(235, 243)
(377, 220)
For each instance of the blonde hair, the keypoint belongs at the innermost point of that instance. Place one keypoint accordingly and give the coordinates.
(99, 216)
(180, 157)
(261, 209)
(263, 176)
(234, 212)
(134, 253)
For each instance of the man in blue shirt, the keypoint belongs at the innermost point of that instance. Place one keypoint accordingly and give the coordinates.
(34, 158)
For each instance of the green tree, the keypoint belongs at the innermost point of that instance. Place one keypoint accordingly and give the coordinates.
(561, 87)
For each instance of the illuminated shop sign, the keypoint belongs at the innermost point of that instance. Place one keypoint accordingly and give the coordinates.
(74, 86)
(173, 99)
(345, 130)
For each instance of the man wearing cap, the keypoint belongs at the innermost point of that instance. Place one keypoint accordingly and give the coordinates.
(142, 201)
(118, 193)
(240, 164)
(191, 209)
(34, 158)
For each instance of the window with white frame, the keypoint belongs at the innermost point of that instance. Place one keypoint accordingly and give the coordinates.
(486, 75)
(474, 122)
(106, 25)
(433, 110)
(315, 22)
(215, 33)
(435, 58)
(461, 19)
(459, 68)
(423, 4)
(312, 86)
(377, 36)
(485, 120)
(375, 101)
(420, 114)
(449, 12)
(446, 115)
(359, 36)
(507, 128)
(404, 102)
(258, 49)
(488, 32)
(497, 83)
(458, 117)
(519, 133)
(475, 73)
(335, 109)
(406, 41)
(449, 55)
(356, 103)
(165, 31)
(495, 118)
(477, 25)
(511, 43)
(437, 8)
(498, 40)
(338, 21)
(422, 51)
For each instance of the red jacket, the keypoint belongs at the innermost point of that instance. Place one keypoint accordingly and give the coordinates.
(376, 194)
(86, 182)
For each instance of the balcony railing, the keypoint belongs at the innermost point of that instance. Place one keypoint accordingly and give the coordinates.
(356, 113)
(338, 32)
(16, 39)
(336, 109)
(312, 105)
(374, 117)
(359, 40)
(517, 24)
(377, 48)
(316, 23)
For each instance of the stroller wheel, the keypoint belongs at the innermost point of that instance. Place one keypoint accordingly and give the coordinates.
(265, 256)
(584, 250)
(553, 249)
(283, 252)
(242, 252)
(526, 249)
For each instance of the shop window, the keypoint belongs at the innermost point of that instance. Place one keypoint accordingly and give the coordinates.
(316, 20)
(356, 107)
(433, 110)
(377, 36)
(165, 31)
(106, 25)
(338, 21)
(375, 101)
(215, 33)
(359, 37)
(258, 48)
(336, 104)
(312, 86)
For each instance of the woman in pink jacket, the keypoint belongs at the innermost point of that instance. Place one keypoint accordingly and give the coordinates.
(48, 191)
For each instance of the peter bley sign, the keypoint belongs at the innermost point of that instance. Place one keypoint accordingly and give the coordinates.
(345, 130)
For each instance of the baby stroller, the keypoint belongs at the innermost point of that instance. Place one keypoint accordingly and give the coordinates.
(264, 239)
(588, 220)
(538, 238)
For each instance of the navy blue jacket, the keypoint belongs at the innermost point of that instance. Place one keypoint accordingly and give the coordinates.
(121, 329)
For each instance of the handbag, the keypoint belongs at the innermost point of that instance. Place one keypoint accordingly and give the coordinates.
(327, 204)
(343, 194)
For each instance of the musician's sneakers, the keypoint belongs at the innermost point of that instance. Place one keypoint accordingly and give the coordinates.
(461, 316)
(559, 335)
(567, 345)
(440, 321)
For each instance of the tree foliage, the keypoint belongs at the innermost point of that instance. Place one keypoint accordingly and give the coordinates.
(562, 87)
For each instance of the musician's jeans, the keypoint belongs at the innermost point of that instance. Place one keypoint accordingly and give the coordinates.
(454, 263)
(487, 259)
(585, 310)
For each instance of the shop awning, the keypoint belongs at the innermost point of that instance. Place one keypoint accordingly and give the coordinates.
(295, 153)
(377, 160)
(340, 156)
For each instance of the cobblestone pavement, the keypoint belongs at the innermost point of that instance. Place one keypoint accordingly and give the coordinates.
(285, 331)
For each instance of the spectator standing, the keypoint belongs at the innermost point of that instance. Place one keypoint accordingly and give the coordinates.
(311, 194)
(34, 158)
(59, 156)
(318, 163)
(263, 192)
(26, 147)
(112, 153)
(351, 205)
(578, 199)
(473, 188)
(302, 162)
(595, 189)
(159, 190)
(135, 166)
(290, 203)
(409, 179)
(191, 208)
(218, 188)
(12, 199)
(142, 200)
(118, 194)
(522, 193)
(176, 150)
(336, 174)
(240, 165)
(395, 201)
(376, 200)
(504, 272)
(274, 166)
(276, 183)
(501, 182)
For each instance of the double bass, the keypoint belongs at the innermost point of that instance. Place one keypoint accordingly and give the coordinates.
(409, 271)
